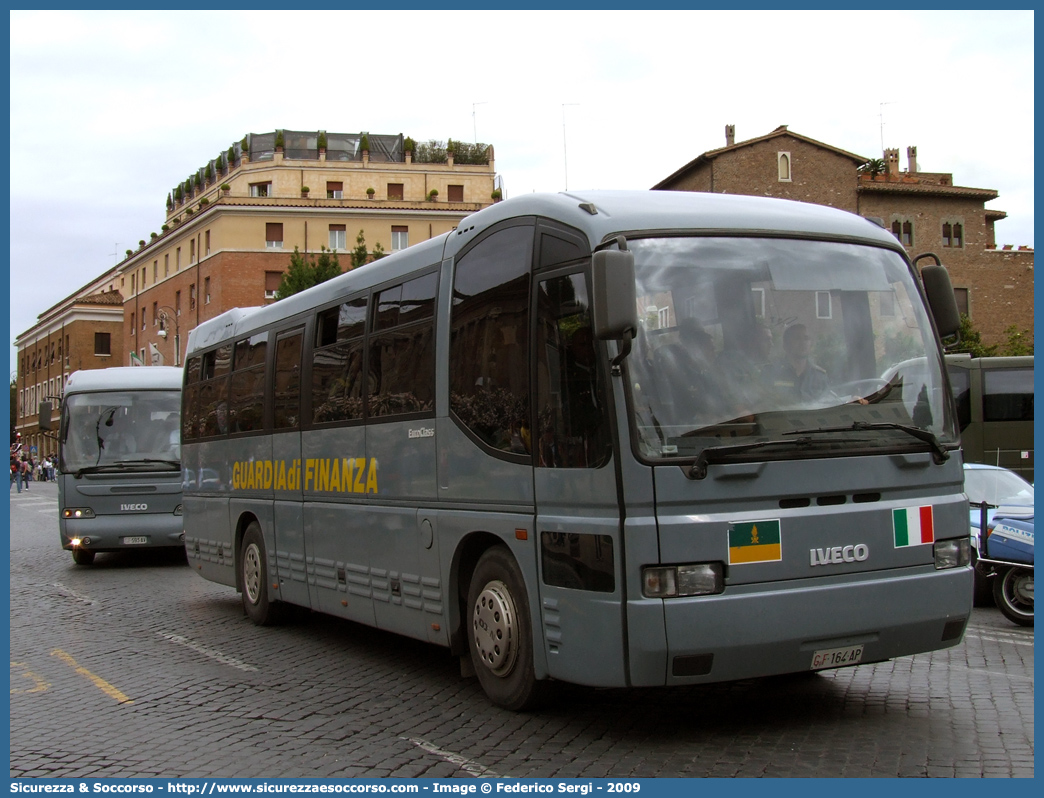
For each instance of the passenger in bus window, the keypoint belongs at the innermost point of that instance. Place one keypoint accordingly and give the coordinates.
(797, 376)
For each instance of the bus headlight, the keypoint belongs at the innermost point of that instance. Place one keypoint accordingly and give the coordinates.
(179, 510)
(77, 512)
(952, 553)
(669, 581)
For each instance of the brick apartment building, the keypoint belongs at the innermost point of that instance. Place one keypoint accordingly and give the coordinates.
(227, 237)
(926, 211)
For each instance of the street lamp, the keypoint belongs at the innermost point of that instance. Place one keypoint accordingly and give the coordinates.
(177, 331)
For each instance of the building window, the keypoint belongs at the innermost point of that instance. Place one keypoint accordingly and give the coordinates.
(903, 230)
(953, 234)
(132, 329)
(274, 235)
(260, 189)
(759, 302)
(455, 193)
(395, 191)
(155, 271)
(155, 313)
(192, 251)
(177, 260)
(134, 283)
(192, 296)
(783, 161)
(334, 190)
(206, 290)
(962, 299)
(338, 237)
(823, 309)
(400, 237)
(166, 265)
(206, 237)
(272, 281)
(177, 302)
(102, 342)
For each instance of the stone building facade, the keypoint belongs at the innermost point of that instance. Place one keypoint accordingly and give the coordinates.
(925, 210)
(228, 235)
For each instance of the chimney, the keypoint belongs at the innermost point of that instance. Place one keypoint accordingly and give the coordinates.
(911, 160)
(892, 162)
(730, 135)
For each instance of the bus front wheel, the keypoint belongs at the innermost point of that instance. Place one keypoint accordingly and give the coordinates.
(500, 633)
(82, 556)
(253, 566)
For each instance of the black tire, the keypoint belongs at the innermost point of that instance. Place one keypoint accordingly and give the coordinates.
(82, 556)
(1013, 592)
(253, 571)
(500, 632)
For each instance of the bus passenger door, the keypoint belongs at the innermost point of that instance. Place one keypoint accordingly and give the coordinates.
(285, 542)
(578, 515)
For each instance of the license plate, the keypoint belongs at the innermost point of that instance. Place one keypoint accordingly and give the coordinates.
(133, 541)
(836, 657)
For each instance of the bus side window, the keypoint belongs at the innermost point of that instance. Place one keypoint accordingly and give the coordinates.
(287, 387)
(489, 339)
(190, 423)
(247, 391)
(960, 381)
(573, 427)
(1007, 395)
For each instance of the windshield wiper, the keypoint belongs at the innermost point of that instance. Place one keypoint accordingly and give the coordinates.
(125, 465)
(698, 470)
(939, 453)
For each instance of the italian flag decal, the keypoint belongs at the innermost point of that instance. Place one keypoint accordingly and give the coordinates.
(913, 526)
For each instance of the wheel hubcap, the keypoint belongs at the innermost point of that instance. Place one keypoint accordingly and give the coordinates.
(1022, 589)
(252, 573)
(494, 628)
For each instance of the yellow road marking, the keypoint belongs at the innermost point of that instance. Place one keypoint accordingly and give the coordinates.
(98, 681)
(39, 685)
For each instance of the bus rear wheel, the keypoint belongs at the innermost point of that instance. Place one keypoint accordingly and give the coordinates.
(500, 632)
(253, 564)
(82, 556)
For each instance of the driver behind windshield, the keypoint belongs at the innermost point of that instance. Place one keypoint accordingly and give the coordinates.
(797, 376)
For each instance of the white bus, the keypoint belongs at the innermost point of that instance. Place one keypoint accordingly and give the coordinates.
(119, 460)
(611, 438)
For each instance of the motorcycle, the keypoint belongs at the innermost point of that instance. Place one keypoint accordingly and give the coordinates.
(1005, 555)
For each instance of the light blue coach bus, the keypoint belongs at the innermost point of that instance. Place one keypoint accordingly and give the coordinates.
(609, 438)
(119, 461)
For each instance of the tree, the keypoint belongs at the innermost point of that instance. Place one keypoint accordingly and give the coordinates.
(873, 167)
(971, 341)
(378, 251)
(1019, 342)
(306, 271)
(359, 254)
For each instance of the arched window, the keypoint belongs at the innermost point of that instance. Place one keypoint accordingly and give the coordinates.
(783, 159)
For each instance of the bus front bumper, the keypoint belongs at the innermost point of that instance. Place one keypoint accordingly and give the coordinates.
(763, 630)
(120, 532)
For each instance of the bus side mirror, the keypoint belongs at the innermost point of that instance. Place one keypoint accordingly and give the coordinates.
(45, 416)
(614, 296)
(940, 299)
(939, 291)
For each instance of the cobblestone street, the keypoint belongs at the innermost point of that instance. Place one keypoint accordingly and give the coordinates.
(137, 667)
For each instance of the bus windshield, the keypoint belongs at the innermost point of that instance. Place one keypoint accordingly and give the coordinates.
(770, 341)
(120, 428)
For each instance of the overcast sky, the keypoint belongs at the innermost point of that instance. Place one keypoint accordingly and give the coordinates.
(109, 111)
